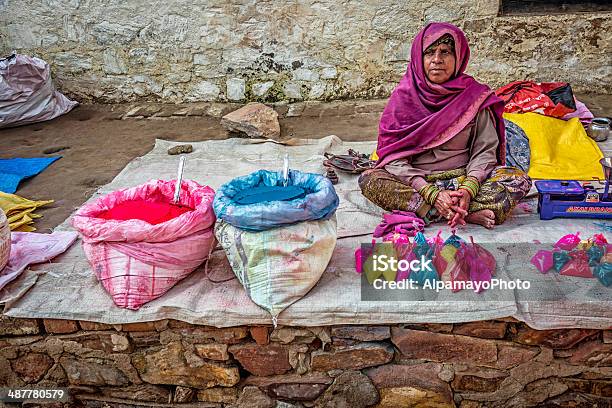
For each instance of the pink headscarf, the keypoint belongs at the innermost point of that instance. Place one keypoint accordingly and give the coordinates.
(421, 115)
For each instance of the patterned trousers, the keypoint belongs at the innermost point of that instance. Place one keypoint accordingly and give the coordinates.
(500, 192)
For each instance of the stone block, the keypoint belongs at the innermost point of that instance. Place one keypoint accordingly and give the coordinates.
(235, 89)
(60, 326)
(411, 385)
(32, 367)
(169, 366)
(183, 394)
(304, 74)
(113, 62)
(292, 386)
(91, 326)
(10, 326)
(535, 370)
(329, 73)
(218, 394)
(110, 342)
(292, 90)
(92, 372)
(212, 351)
(142, 392)
(354, 357)
(317, 90)
(593, 354)
(484, 329)
(253, 397)
(537, 392)
(309, 378)
(555, 339)
(204, 334)
(256, 120)
(599, 388)
(265, 360)
(297, 392)
(203, 91)
(287, 335)
(350, 389)
(145, 339)
(139, 327)
(363, 333)
(260, 334)
(478, 380)
(510, 356)
(261, 88)
(447, 348)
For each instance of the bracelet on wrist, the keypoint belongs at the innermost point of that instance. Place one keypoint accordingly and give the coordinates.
(429, 192)
(471, 185)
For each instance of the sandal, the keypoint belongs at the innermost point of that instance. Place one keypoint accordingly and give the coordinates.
(331, 175)
(352, 163)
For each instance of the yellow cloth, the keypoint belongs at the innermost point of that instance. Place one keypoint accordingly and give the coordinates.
(560, 150)
(20, 211)
(374, 156)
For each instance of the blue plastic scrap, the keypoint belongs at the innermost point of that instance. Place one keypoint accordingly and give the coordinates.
(12, 171)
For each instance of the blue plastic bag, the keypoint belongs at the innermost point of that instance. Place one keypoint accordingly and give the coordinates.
(424, 251)
(603, 272)
(320, 201)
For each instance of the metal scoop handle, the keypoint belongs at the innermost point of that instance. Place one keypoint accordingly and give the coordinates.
(286, 170)
(179, 180)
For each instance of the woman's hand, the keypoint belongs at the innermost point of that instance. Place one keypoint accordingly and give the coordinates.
(444, 203)
(461, 202)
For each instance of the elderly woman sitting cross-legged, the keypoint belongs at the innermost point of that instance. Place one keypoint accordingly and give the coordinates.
(441, 144)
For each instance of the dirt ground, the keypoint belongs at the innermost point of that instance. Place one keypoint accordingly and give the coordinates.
(99, 144)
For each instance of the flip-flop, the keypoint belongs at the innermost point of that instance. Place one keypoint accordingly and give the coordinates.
(348, 163)
(331, 175)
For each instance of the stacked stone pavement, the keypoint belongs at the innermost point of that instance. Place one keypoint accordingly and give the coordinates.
(501, 363)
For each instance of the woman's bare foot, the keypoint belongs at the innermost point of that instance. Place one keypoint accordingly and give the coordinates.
(486, 218)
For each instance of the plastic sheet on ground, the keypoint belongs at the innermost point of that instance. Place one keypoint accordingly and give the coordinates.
(69, 289)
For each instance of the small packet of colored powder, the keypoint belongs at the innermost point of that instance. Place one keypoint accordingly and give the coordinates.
(595, 253)
(560, 258)
(568, 242)
(599, 239)
(603, 271)
(360, 257)
(543, 260)
(577, 266)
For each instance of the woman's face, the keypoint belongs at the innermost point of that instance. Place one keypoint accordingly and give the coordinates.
(439, 63)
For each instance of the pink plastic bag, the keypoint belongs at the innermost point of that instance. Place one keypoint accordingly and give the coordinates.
(437, 243)
(478, 261)
(360, 257)
(405, 252)
(599, 239)
(578, 265)
(137, 262)
(568, 242)
(543, 260)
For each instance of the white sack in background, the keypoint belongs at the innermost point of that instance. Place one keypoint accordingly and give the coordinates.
(27, 94)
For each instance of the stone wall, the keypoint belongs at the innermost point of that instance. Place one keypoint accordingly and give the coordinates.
(272, 50)
(500, 363)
